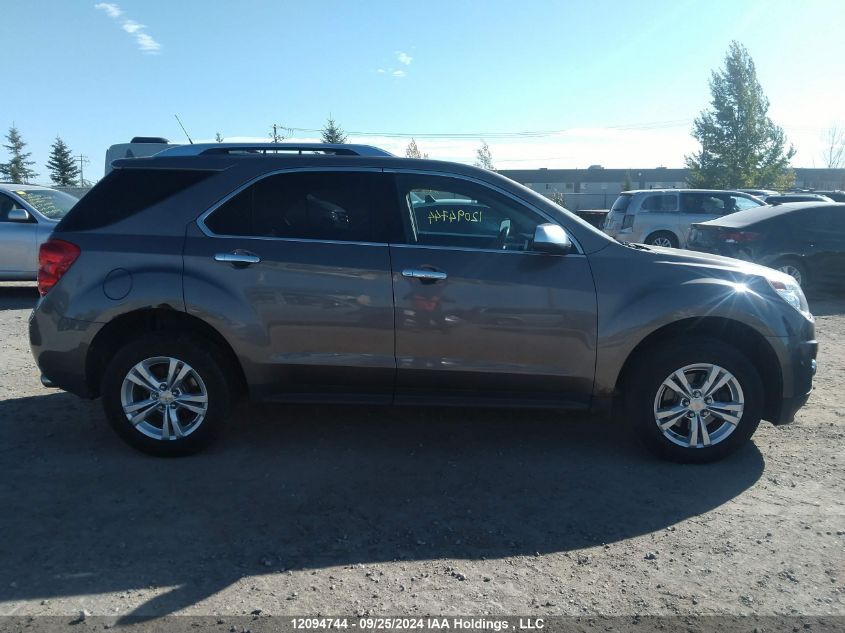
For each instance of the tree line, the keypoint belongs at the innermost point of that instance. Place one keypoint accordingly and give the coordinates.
(61, 165)
(332, 132)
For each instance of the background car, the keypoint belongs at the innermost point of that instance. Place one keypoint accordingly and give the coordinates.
(28, 214)
(805, 240)
(836, 196)
(760, 193)
(796, 197)
(662, 217)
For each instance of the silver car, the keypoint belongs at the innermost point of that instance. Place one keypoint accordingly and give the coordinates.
(663, 217)
(28, 214)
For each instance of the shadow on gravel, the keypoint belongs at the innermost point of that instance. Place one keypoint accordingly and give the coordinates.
(308, 487)
(18, 297)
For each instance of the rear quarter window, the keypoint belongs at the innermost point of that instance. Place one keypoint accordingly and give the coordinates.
(125, 192)
(622, 203)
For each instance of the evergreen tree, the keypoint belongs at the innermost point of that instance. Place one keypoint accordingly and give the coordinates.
(19, 168)
(413, 151)
(740, 145)
(63, 169)
(483, 157)
(332, 132)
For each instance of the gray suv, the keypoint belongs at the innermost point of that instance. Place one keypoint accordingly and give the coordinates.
(664, 217)
(321, 273)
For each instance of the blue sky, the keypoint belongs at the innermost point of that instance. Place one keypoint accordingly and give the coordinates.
(617, 82)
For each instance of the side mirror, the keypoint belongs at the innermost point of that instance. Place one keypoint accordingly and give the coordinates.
(551, 238)
(19, 215)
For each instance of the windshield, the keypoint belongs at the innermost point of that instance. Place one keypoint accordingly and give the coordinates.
(50, 203)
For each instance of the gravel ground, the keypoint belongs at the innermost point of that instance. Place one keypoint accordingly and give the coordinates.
(353, 510)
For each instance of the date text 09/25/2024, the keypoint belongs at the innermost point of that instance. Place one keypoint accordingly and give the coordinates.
(418, 624)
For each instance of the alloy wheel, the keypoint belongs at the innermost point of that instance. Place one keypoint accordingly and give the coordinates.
(698, 405)
(792, 271)
(662, 241)
(164, 398)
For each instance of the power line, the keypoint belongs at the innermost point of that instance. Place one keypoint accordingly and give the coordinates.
(670, 123)
(83, 160)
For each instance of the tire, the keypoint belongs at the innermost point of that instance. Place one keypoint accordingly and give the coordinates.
(665, 238)
(795, 268)
(648, 398)
(188, 430)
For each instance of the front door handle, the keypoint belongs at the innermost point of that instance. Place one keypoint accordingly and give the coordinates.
(424, 275)
(238, 258)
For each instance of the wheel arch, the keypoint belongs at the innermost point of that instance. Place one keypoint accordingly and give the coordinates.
(658, 230)
(131, 325)
(744, 337)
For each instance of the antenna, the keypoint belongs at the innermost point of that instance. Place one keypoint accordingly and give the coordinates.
(183, 129)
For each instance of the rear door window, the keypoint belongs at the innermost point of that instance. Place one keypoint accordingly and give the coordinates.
(660, 203)
(714, 204)
(330, 206)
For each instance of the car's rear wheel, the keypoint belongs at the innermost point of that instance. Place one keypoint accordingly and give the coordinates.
(694, 401)
(166, 394)
(662, 238)
(794, 269)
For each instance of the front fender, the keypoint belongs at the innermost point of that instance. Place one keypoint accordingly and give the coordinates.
(637, 296)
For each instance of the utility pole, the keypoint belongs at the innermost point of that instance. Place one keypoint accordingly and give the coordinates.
(83, 160)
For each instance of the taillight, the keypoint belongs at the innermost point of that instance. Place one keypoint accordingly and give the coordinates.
(54, 259)
(739, 237)
(627, 221)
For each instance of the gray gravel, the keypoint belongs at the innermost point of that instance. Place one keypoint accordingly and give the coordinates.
(353, 510)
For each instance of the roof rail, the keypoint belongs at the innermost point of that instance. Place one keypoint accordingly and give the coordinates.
(207, 149)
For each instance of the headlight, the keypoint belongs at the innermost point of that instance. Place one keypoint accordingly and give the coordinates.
(791, 292)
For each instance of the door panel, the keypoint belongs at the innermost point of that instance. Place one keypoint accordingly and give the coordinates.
(501, 325)
(310, 318)
(18, 242)
(479, 315)
(821, 232)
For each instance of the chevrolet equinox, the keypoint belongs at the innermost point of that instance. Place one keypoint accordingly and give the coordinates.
(339, 273)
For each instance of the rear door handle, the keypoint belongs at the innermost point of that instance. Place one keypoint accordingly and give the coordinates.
(238, 258)
(424, 275)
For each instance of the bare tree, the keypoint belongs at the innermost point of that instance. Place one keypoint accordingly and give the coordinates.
(413, 151)
(834, 150)
(484, 157)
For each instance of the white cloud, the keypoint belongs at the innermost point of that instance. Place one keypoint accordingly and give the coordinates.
(146, 42)
(399, 73)
(112, 10)
(381, 71)
(404, 58)
(131, 26)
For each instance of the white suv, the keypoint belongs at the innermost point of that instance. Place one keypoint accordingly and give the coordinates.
(662, 217)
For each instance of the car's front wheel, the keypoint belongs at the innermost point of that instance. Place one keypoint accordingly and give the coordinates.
(694, 401)
(166, 394)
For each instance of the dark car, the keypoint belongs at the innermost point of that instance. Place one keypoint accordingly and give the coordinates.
(323, 273)
(803, 239)
(796, 197)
